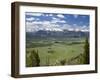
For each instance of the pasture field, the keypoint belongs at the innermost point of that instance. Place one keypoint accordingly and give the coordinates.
(54, 52)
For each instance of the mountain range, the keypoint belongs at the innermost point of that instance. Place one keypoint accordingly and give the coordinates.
(59, 34)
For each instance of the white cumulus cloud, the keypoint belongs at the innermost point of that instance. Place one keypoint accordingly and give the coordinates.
(75, 16)
(60, 15)
(55, 20)
(34, 14)
(30, 19)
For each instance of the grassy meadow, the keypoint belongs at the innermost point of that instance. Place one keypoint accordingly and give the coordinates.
(56, 52)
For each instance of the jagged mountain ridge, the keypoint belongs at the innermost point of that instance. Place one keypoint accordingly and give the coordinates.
(64, 33)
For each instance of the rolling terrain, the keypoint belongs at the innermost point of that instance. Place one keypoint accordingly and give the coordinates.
(56, 47)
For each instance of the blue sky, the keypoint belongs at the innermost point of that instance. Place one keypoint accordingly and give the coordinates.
(56, 21)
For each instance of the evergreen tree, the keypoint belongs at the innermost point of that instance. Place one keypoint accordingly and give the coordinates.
(34, 58)
(63, 62)
(86, 52)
